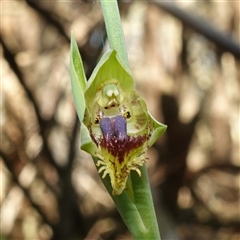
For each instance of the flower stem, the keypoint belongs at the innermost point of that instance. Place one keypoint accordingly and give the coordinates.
(135, 203)
(114, 28)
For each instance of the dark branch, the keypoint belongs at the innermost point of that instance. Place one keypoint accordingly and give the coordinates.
(225, 42)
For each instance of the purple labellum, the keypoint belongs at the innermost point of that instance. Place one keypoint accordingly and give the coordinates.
(115, 139)
(114, 127)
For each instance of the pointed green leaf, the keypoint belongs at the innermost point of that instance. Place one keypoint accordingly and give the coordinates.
(78, 79)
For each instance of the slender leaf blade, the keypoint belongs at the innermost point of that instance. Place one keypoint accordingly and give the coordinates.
(78, 79)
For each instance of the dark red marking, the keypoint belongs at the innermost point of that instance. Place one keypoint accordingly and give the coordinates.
(119, 148)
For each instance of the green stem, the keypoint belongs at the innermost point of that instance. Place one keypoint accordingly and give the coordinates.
(114, 28)
(135, 204)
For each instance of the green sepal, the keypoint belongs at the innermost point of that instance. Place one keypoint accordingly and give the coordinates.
(158, 129)
(109, 67)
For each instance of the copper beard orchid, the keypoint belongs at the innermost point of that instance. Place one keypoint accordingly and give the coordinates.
(116, 127)
(119, 128)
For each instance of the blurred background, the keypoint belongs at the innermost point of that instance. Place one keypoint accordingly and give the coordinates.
(185, 61)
